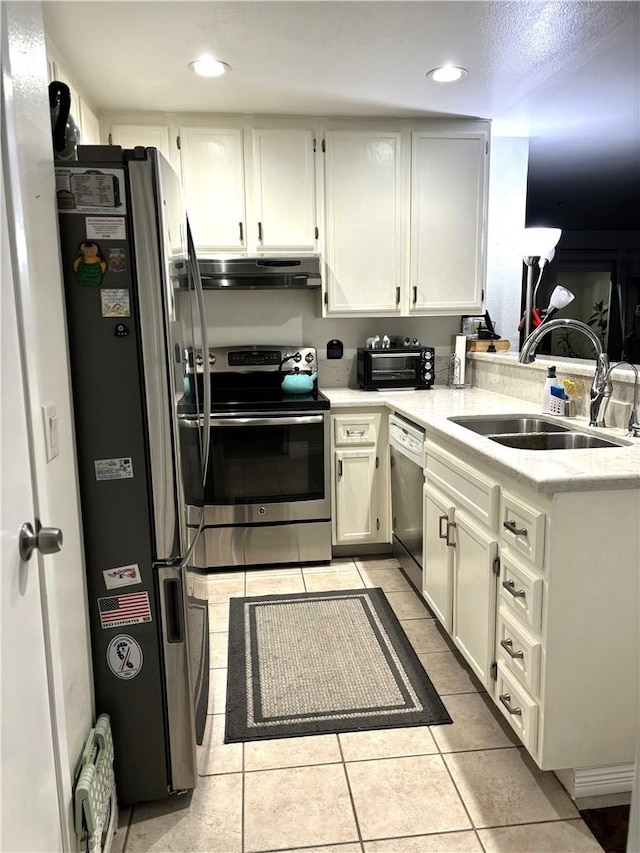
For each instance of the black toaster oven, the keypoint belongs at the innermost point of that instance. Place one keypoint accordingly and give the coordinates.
(397, 367)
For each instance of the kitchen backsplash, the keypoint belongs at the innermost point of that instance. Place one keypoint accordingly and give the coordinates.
(295, 316)
(505, 375)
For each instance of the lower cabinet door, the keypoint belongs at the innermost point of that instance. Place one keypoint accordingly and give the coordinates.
(437, 560)
(356, 503)
(474, 609)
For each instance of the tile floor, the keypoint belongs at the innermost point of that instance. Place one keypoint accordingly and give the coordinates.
(468, 786)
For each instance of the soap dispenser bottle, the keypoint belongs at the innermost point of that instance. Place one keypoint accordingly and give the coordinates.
(547, 397)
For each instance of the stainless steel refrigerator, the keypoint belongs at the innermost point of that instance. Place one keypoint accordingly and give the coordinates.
(134, 304)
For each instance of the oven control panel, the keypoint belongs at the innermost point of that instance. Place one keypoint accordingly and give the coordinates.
(251, 358)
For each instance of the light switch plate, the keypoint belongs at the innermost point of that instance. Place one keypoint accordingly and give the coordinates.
(50, 419)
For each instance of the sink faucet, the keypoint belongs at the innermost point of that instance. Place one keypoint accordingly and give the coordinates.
(601, 386)
(634, 424)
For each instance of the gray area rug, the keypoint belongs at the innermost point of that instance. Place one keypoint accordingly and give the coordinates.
(320, 662)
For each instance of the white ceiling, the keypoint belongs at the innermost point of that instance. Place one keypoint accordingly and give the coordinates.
(567, 74)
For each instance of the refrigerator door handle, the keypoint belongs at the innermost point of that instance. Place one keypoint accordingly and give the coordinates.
(174, 617)
(206, 398)
(180, 711)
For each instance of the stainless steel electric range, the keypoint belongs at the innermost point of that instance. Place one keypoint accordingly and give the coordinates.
(266, 497)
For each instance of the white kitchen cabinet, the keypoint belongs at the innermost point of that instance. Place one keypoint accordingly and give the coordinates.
(437, 559)
(360, 478)
(282, 192)
(250, 190)
(474, 599)
(357, 518)
(212, 164)
(565, 660)
(448, 216)
(365, 222)
(147, 135)
(461, 547)
(406, 220)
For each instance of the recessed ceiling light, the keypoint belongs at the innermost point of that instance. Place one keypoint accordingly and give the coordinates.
(447, 73)
(206, 66)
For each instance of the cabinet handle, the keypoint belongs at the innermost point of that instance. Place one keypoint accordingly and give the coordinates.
(260, 232)
(355, 432)
(507, 646)
(505, 698)
(241, 227)
(339, 467)
(510, 587)
(397, 296)
(442, 518)
(450, 524)
(517, 531)
(415, 295)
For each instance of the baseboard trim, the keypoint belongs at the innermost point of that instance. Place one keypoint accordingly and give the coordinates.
(597, 781)
(382, 548)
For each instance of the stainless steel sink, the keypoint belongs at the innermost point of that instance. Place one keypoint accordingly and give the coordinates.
(529, 432)
(492, 425)
(553, 441)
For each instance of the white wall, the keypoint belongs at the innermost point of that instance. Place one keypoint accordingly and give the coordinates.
(294, 317)
(507, 208)
(65, 605)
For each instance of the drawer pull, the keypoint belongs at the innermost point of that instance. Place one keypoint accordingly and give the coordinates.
(442, 518)
(505, 698)
(510, 587)
(517, 531)
(507, 646)
(355, 432)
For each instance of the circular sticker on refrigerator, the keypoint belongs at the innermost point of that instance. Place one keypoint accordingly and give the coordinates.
(124, 656)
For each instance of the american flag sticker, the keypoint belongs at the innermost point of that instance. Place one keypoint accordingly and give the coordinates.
(118, 610)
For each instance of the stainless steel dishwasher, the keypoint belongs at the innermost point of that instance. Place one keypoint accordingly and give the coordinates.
(406, 440)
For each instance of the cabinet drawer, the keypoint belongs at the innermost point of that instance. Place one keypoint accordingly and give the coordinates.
(355, 429)
(519, 650)
(472, 491)
(521, 590)
(522, 528)
(518, 707)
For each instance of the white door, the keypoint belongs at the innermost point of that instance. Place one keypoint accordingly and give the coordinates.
(357, 519)
(364, 222)
(29, 807)
(150, 136)
(284, 204)
(437, 563)
(448, 232)
(212, 163)
(474, 609)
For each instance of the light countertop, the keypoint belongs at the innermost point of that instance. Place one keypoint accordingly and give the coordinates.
(542, 470)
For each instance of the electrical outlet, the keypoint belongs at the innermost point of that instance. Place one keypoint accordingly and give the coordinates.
(50, 419)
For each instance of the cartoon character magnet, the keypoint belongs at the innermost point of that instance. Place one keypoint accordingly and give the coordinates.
(90, 265)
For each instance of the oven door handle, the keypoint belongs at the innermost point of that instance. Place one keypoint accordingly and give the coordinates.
(241, 422)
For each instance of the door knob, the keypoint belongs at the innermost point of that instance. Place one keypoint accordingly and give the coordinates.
(48, 540)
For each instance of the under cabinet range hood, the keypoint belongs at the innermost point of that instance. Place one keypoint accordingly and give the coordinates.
(260, 273)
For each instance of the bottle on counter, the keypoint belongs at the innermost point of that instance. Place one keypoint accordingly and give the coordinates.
(549, 399)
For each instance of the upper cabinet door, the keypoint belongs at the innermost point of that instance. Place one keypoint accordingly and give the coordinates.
(213, 181)
(364, 222)
(284, 191)
(448, 205)
(147, 135)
